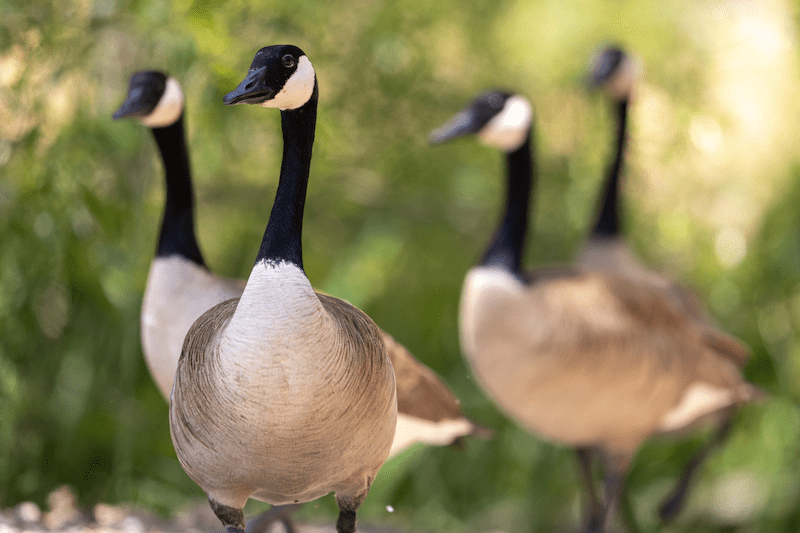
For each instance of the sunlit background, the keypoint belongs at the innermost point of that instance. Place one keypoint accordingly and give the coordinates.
(712, 189)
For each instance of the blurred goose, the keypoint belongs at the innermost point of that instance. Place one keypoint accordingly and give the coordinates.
(606, 249)
(180, 288)
(283, 395)
(582, 358)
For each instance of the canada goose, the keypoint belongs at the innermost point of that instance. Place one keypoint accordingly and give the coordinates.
(606, 249)
(283, 395)
(180, 288)
(582, 358)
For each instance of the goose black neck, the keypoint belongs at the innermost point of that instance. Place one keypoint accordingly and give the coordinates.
(608, 221)
(177, 227)
(508, 244)
(283, 237)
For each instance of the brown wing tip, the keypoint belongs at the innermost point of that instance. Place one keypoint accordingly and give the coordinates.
(729, 346)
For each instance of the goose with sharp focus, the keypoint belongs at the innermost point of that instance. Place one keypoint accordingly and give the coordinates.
(180, 288)
(586, 359)
(283, 395)
(606, 250)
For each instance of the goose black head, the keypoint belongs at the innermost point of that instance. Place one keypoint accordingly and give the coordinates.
(154, 98)
(280, 76)
(500, 119)
(614, 71)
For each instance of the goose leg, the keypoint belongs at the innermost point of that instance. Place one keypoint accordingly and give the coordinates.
(616, 467)
(594, 517)
(278, 513)
(231, 518)
(675, 501)
(346, 523)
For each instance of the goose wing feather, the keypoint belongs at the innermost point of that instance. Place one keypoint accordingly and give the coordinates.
(588, 359)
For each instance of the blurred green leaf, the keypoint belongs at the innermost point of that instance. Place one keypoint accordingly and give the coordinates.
(712, 189)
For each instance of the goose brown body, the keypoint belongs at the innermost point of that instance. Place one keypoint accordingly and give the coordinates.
(427, 411)
(613, 256)
(179, 291)
(591, 360)
(298, 444)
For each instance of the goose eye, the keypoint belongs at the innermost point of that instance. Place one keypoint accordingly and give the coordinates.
(288, 61)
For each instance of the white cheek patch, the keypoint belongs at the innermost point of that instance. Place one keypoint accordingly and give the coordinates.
(508, 129)
(168, 109)
(297, 90)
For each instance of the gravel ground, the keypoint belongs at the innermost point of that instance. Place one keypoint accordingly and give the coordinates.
(65, 517)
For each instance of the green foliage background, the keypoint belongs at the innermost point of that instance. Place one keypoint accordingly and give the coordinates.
(392, 224)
